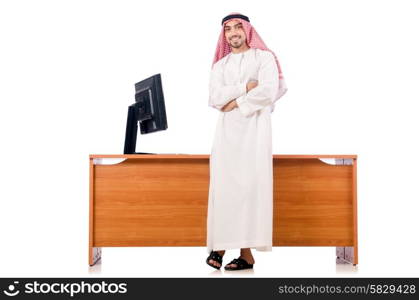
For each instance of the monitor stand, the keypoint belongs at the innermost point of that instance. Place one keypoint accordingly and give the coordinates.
(131, 132)
(143, 153)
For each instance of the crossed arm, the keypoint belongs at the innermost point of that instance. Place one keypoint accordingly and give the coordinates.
(250, 99)
(221, 94)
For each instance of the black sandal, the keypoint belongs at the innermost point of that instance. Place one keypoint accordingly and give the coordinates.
(240, 263)
(217, 257)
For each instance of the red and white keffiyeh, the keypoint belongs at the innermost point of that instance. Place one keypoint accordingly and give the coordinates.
(253, 40)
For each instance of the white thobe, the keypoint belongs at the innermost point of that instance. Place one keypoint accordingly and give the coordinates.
(240, 200)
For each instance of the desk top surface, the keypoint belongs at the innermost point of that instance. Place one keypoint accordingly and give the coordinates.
(206, 156)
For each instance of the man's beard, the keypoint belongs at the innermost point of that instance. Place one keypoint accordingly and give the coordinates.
(236, 44)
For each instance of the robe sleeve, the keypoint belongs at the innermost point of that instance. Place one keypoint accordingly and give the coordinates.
(267, 90)
(219, 93)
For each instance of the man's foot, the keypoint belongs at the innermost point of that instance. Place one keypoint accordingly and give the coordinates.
(248, 258)
(214, 262)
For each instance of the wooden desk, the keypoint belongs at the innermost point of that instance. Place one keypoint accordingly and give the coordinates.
(139, 200)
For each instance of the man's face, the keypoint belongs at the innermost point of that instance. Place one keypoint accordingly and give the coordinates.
(234, 33)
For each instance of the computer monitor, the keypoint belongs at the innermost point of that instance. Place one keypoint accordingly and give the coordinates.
(148, 110)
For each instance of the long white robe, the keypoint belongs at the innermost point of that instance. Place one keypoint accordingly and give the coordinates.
(240, 200)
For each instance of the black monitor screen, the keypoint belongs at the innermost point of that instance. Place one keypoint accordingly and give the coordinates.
(148, 110)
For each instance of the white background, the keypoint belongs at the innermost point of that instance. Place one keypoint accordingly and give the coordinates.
(67, 74)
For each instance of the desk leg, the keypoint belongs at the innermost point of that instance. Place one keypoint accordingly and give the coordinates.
(350, 254)
(95, 254)
(346, 254)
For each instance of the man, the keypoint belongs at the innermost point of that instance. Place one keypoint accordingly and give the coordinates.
(246, 80)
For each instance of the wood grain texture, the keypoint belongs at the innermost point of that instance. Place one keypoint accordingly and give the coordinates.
(151, 203)
(153, 200)
(312, 203)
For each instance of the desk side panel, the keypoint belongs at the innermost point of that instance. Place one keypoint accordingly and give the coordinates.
(151, 203)
(312, 203)
(163, 202)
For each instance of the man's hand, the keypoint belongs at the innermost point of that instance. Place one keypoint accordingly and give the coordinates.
(251, 85)
(233, 104)
(229, 106)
